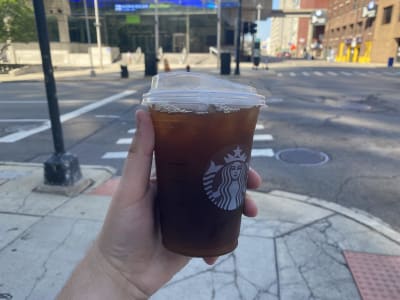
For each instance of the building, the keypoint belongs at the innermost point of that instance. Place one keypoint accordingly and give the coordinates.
(190, 24)
(386, 37)
(284, 29)
(363, 30)
(311, 29)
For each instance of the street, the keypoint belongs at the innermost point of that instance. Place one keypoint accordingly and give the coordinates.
(347, 116)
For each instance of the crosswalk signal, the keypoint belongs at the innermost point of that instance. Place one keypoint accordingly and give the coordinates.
(246, 28)
(253, 28)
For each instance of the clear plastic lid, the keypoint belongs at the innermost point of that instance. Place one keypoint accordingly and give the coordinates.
(197, 91)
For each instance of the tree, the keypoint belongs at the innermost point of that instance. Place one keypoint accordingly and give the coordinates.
(17, 21)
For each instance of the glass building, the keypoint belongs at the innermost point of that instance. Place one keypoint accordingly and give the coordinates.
(129, 24)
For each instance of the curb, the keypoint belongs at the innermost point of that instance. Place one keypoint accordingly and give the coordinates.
(355, 214)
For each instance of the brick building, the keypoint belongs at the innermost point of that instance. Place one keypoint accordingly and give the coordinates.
(386, 38)
(310, 35)
(363, 30)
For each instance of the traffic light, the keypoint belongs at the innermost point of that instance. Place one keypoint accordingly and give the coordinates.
(246, 27)
(253, 28)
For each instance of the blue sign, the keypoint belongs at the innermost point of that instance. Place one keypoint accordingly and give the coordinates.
(130, 7)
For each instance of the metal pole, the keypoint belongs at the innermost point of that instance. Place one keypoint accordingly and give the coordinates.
(239, 32)
(187, 33)
(219, 33)
(156, 28)
(259, 7)
(98, 33)
(61, 168)
(89, 40)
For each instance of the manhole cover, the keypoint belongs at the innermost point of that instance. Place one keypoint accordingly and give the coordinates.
(302, 156)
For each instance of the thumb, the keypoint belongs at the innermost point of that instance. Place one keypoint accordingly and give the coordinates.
(135, 179)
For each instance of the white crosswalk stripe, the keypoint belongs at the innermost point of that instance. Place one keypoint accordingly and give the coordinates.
(262, 137)
(262, 153)
(336, 73)
(115, 155)
(258, 150)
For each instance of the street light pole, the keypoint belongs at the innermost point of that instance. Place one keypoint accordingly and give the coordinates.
(61, 169)
(89, 40)
(98, 33)
(219, 33)
(239, 32)
(156, 28)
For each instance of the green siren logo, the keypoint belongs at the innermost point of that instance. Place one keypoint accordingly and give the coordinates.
(225, 184)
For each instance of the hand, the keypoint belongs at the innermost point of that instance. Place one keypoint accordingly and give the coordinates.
(129, 247)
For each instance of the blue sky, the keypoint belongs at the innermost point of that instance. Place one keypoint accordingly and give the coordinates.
(264, 28)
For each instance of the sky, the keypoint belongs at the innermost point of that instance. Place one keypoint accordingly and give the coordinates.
(264, 28)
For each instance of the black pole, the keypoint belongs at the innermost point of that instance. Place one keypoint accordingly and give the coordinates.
(50, 84)
(239, 33)
(61, 168)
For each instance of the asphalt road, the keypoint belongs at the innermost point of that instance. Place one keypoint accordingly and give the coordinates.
(350, 114)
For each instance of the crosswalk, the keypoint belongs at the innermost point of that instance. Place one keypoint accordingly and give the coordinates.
(260, 139)
(359, 73)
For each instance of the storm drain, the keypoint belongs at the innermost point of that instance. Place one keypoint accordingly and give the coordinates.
(302, 156)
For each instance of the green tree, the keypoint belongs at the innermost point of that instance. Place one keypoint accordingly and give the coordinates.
(17, 21)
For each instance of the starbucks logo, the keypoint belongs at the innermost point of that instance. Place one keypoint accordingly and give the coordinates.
(225, 183)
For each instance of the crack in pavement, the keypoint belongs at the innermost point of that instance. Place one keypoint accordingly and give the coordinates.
(50, 254)
(357, 177)
(299, 268)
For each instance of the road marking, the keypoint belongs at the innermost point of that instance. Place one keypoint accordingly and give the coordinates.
(373, 73)
(262, 137)
(22, 120)
(280, 74)
(292, 74)
(388, 73)
(256, 138)
(360, 73)
(345, 73)
(259, 127)
(305, 73)
(332, 73)
(262, 152)
(115, 155)
(107, 116)
(268, 152)
(14, 137)
(23, 102)
(133, 130)
(124, 141)
(318, 73)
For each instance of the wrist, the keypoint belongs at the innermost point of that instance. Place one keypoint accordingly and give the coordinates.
(96, 278)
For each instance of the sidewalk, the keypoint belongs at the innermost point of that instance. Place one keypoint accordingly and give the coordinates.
(293, 250)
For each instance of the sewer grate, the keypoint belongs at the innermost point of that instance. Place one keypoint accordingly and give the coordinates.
(302, 156)
(376, 275)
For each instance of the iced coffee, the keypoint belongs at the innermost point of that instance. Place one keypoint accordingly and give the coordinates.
(204, 130)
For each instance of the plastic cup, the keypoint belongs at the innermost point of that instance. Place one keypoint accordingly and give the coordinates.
(204, 130)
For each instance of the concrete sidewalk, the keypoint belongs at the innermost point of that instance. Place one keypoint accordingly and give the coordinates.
(293, 250)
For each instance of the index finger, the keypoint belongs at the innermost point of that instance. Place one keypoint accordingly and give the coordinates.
(254, 179)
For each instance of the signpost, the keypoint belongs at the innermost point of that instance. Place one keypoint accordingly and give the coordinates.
(61, 169)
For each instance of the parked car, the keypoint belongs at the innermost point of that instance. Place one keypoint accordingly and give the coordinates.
(284, 54)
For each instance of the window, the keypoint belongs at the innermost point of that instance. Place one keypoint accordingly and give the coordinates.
(359, 27)
(387, 14)
(369, 23)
